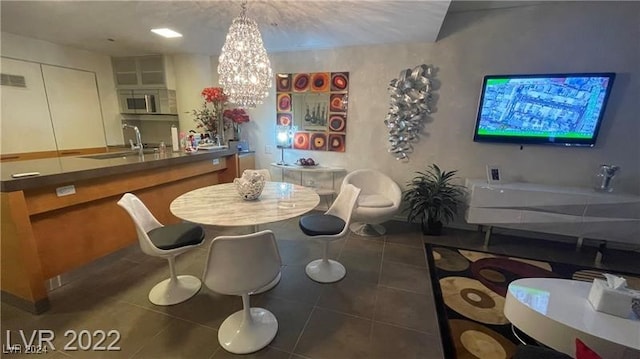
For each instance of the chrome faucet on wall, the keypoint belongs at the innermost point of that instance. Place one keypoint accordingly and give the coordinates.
(138, 146)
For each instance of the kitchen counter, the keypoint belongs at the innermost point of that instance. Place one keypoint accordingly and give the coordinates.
(68, 215)
(67, 169)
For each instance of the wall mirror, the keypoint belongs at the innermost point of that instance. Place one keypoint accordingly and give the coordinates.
(316, 104)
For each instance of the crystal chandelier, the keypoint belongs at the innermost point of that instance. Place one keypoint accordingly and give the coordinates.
(244, 68)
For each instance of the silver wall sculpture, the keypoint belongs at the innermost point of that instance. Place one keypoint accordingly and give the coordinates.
(409, 108)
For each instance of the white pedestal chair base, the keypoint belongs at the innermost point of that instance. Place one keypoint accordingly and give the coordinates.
(367, 230)
(328, 271)
(240, 337)
(178, 291)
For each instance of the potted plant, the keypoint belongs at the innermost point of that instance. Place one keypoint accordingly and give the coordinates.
(432, 199)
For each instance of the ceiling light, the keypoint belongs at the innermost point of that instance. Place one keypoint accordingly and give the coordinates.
(244, 68)
(168, 33)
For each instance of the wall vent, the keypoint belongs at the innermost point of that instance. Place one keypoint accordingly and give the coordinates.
(12, 80)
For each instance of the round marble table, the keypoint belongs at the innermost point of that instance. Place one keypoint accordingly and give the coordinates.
(556, 311)
(221, 205)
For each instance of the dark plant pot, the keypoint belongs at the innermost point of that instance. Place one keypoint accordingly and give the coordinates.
(432, 228)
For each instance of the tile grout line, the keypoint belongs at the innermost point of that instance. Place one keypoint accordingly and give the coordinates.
(407, 328)
(343, 313)
(168, 315)
(408, 264)
(215, 352)
(293, 350)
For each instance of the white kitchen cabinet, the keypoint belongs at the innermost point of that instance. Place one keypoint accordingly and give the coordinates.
(75, 108)
(26, 124)
(133, 72)
(125, 71)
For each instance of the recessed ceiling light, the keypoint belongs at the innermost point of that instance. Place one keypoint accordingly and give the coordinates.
(166, 32)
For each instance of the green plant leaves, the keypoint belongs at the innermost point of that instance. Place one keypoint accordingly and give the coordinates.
(432, 195)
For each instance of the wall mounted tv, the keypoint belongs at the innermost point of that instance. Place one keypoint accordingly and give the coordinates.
(558, 109)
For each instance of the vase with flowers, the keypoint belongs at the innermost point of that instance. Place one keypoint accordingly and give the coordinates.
(209, 117)
(233, 118)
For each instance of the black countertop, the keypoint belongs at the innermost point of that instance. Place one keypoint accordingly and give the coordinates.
(63, 170)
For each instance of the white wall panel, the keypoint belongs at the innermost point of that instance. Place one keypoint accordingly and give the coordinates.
(29, 49)
(75, 107)
(25, 122)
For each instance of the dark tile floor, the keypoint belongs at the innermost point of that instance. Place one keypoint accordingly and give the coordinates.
(384, 308)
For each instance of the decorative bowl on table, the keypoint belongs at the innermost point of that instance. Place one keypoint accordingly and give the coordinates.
(250, 185)
(307, 162)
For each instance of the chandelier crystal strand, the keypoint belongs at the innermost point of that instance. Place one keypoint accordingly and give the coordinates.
(244, 68)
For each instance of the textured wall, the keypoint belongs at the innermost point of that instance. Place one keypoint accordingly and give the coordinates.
(192, 73)
(551, 37)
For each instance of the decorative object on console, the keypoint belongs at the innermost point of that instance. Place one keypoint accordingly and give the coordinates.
(432, 199)
(604, 177)
(410, 105)
(250, 185)
(244, 67)
(307, 162)
(209, 117)
(494, 174)
(284, 135)
(316, 105)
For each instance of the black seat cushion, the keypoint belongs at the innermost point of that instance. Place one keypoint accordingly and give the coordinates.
(321, 224)
(176, 235)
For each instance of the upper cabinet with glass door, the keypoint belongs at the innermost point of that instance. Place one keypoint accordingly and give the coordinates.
(134, 72)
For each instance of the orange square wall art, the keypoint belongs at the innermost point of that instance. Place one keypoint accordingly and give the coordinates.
(316, 104)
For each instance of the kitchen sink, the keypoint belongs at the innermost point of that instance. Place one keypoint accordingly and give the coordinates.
(104, 156)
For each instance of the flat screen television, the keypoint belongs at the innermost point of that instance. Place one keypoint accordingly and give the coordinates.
(558, 109)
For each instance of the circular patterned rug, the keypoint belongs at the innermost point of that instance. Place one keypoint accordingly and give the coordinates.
(470, 292)
(473, 340)
(473, 300)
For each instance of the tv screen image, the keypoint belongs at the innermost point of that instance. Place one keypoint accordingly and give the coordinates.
(561, 109)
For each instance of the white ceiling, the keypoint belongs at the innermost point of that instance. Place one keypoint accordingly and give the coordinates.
(285, 25)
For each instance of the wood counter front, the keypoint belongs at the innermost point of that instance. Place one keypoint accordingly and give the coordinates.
(44, 235)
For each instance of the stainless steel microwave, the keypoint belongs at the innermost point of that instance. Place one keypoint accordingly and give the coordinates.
(148, 102)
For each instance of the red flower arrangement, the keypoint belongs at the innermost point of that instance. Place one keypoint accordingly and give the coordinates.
(237, 115)
(214, 95)
(211, 112)
(234, 118)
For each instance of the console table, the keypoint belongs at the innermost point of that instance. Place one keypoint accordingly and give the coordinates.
(571, 211)
(321, 191)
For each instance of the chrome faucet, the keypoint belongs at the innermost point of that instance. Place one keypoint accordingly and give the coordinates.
(138, 139)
